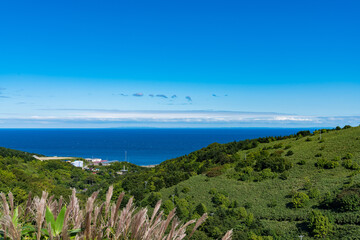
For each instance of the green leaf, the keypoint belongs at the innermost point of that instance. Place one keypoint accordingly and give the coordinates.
(45, 232)
(27, 230)
(15, 217)
(60, 221)
(74, 231)
(49, 216)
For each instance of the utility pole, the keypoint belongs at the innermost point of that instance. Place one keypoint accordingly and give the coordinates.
(145, 184)
(301, 237)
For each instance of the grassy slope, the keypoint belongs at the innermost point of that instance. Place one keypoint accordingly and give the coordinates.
(258, 195)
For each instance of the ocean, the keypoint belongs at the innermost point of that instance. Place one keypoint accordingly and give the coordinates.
(142, 146)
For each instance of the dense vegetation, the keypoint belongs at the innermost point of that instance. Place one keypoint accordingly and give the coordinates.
(266, 188)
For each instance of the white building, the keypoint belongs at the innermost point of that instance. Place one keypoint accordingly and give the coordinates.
(78, 164)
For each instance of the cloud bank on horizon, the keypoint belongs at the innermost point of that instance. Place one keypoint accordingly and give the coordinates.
(93, 118)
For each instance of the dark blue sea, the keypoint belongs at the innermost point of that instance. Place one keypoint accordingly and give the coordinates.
(143, 146)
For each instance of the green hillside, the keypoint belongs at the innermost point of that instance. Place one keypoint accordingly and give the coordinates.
(326, 170)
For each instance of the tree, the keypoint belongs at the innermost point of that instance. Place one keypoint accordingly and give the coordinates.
(182, 208)
(168, 205)
(300, 199)
(319, 224)
(200, 209)
(349, 199)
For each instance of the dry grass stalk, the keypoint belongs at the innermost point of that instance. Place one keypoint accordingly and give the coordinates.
(228, 235)
(108, 199)
(8, 226)
(198, 223)
(13, 231)
(117, 208)
(28, 205)
(88, 214)
(40, 207)
(11, 201)
(5, 205)
(99, 220)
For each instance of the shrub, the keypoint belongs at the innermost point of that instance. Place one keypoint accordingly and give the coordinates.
(302, 162)
(200, 209)
(308, 139)
(249, 220)
(349, 164)
(248, 205)
(314, 193)
(318, 155)
(248, 162)
(241, 212)
(346, 127)
(246, 177)
(348, 156)
(266, 174)
(349, 199)
(289, 153)
(326, 164)
(214, 172)
(275, 163)
(319, 224)
(246, 174)
(220, 199)
(153, 198)
(277, 153)
(213, 191)
(355, 166)
(287, 147)
(300, 200)
(272, 204)
(284, 175)
(185, 190)
(327, 200)
(277, 146)
(234, 204)
(307, 184)
(303, 133)
(167, 206)
(247, 170)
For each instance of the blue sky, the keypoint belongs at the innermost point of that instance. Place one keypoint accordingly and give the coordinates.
(179, 63)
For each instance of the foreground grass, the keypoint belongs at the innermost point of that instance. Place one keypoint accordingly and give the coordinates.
(46, 218)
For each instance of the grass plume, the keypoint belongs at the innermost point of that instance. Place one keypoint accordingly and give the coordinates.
(97, 220)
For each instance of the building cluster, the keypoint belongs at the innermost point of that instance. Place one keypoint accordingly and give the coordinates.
(96, 161)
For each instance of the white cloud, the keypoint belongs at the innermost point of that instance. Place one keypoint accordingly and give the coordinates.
(114, 118)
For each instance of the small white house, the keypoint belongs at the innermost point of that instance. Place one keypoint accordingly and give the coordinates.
(78, 164)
